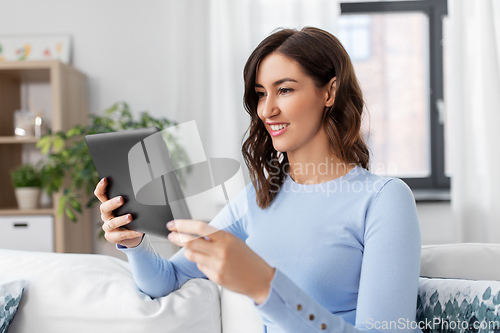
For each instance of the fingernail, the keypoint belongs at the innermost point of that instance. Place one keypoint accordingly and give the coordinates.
(170, 224)
(102, 181)
(138, 233)
(119, 199)
(129, 218)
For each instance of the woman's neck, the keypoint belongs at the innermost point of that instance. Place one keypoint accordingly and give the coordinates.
(316, 165)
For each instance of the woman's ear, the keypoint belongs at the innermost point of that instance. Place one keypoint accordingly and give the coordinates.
(331, 89)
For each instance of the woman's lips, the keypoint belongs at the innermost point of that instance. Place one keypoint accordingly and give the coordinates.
(278, 132)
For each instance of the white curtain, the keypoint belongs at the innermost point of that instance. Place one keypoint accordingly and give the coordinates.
(213, 41)
(474, 105)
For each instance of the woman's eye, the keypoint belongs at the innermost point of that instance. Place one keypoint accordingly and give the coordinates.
(285, 90)
(260, 94)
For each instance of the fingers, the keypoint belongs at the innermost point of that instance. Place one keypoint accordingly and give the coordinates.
(106, 226)
(119, 221)
(119, 236)
(100, 190)
(112, 226)
(180, 239)
(197, 257)
(193, 242)
(114, 233)
(109, 206)
(193, 227)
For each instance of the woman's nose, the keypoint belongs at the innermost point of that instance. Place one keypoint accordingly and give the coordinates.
(270, 108)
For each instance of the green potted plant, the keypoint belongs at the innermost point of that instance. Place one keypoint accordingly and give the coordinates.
(69, 165)
(27, 182)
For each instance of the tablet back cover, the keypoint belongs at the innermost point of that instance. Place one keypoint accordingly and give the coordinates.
(110, 153)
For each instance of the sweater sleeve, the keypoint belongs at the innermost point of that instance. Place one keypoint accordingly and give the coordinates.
(158, 276)
(388, 284)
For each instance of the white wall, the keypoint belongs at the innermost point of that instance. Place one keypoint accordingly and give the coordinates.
(121, 45)
(436, 224)
(127, 49)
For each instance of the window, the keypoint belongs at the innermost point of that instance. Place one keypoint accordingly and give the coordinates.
(355, 34)
(397, 52)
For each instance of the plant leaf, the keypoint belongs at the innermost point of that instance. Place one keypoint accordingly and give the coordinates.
(70, 214)
(58, 143)
(43, 142)
(75, 204)
(92, 202)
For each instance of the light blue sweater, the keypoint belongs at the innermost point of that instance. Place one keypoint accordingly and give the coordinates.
(346, 253)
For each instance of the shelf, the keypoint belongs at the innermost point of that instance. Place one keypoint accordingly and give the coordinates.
(65, 89)
(18, 139)
(23, 65)
(28, 70)
(33, 70)
(16, 211)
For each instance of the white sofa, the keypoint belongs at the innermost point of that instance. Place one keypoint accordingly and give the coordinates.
(96, 293)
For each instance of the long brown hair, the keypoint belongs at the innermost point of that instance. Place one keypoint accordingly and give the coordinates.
(322, 57)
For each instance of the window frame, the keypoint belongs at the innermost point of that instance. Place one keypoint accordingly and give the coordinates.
(433, 187)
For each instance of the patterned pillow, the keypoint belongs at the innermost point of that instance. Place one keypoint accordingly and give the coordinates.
(455, 305)
(10, 295)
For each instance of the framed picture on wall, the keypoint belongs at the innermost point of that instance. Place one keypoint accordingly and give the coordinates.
(25, 48)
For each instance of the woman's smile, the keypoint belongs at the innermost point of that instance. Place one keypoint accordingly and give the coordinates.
(278, 129)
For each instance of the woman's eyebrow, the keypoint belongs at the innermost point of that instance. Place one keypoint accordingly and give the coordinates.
(286, 79)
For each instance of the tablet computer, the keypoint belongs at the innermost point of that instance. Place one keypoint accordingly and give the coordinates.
(138, 167)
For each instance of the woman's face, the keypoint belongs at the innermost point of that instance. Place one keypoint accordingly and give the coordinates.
(290, 104)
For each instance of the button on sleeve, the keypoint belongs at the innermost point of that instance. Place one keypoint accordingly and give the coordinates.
(286, 302)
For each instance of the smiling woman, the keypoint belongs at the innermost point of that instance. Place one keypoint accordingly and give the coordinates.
(296, 100)
(323, 244)
(293, 78)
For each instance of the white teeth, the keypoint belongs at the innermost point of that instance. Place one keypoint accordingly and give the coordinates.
(278, 127)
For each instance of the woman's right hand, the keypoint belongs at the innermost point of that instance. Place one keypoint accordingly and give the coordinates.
(112, 225)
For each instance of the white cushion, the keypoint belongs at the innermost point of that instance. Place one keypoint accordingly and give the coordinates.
(97, 293)
(239, 314)
(474, 261)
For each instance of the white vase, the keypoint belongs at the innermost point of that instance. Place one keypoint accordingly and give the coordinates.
(27, 197)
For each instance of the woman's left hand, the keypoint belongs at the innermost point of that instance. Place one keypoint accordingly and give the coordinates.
(224, 258)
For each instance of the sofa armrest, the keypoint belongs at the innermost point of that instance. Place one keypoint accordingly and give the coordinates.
(97, 293)
(474, 261)
(239, 314)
